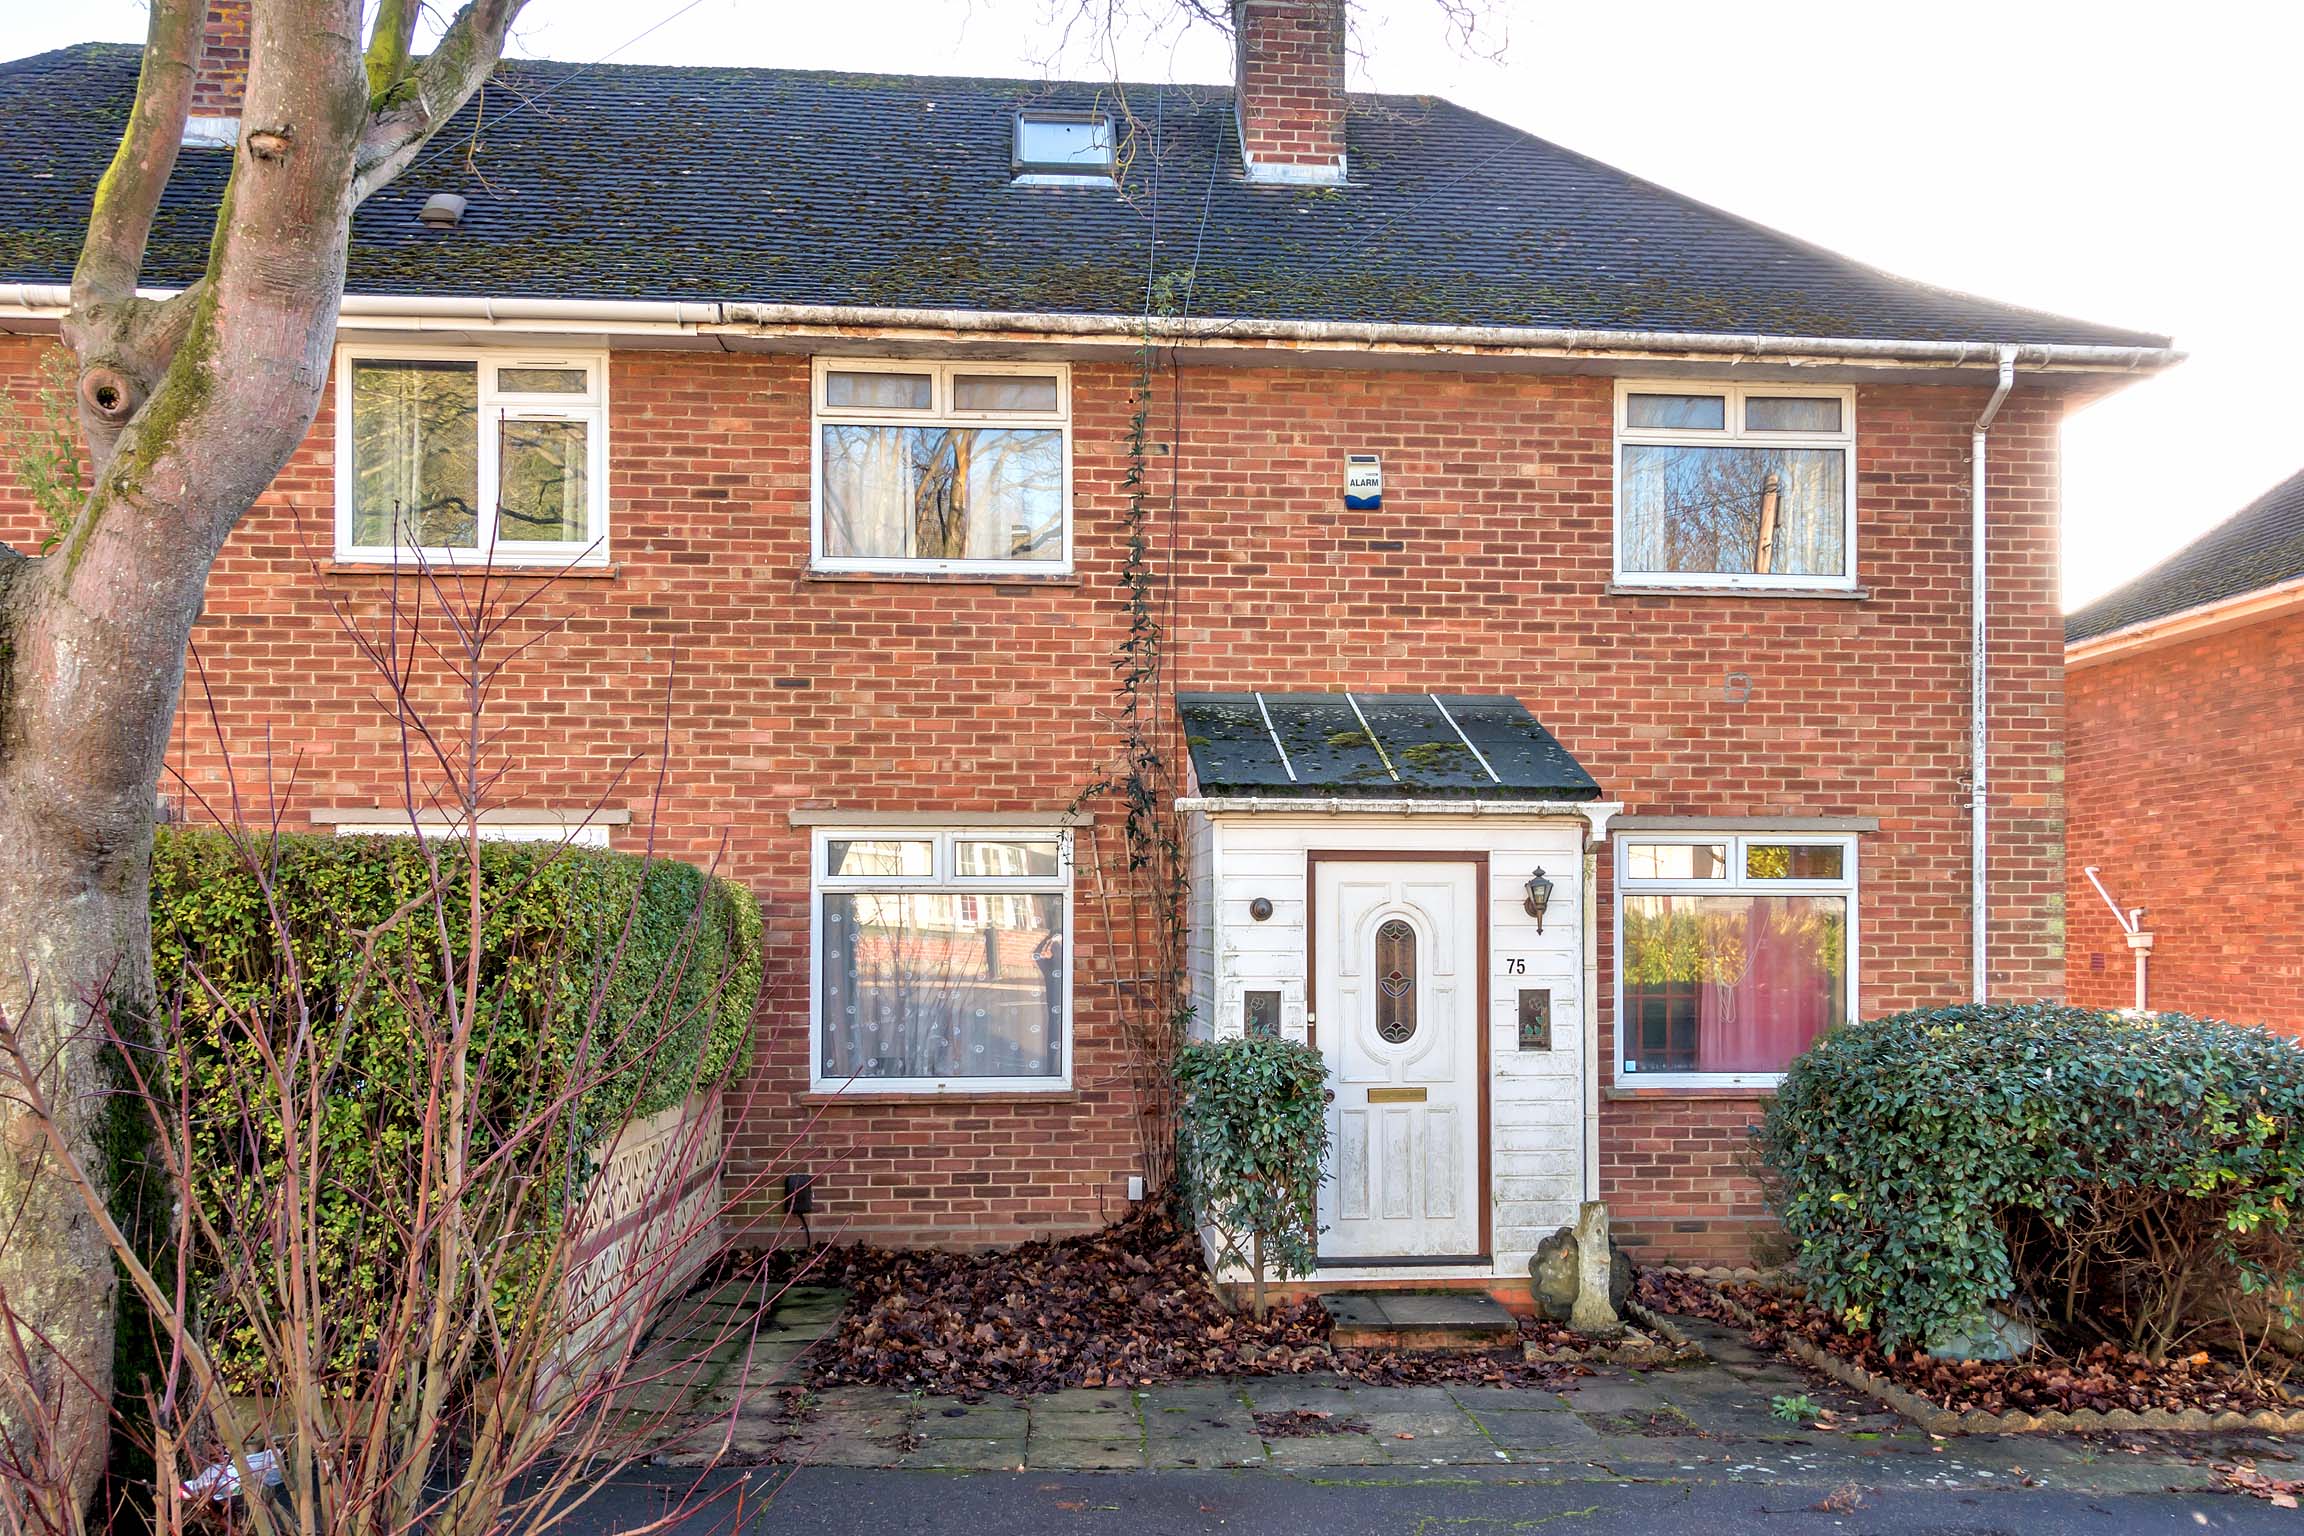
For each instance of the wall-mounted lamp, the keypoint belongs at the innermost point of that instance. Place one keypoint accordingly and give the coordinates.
(1260, 908)
(1539, 897)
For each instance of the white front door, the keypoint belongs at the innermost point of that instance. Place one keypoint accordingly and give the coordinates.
(1396, 1010)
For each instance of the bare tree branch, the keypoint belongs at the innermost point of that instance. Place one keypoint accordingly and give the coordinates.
(410, 111)
(120, 222)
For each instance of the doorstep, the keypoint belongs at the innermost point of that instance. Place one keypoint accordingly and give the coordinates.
(1396, 1320)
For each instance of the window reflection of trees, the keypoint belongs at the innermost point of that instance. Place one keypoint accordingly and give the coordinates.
(1734, 511)
(1692, 963)
(943, 493)
(416, 454)
(542, 475)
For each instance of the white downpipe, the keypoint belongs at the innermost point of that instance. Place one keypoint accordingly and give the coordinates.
(1979, 692)
(2131, 921)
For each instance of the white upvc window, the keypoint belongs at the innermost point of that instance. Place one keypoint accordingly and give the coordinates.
(941, 960)
(576, 833)
(942, 468)
(1735, 485)
(471, 457)
(1063, 148)
(1734, 951)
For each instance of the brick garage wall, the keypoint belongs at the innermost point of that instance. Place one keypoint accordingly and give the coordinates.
(1487, 569)
(2186, 794)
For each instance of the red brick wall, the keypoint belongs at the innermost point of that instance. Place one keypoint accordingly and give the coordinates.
(2186, 792)
(1291, 81)
(1486, 569)
(222, 81)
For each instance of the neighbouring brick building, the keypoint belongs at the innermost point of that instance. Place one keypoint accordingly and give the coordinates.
(1503, 513)
(2185, 690)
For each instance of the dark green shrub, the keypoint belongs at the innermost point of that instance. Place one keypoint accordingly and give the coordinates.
(1252, 1133)
(627, 982)
(2116, 1173)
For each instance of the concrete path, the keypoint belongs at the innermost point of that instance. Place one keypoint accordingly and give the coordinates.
(1698, 1426)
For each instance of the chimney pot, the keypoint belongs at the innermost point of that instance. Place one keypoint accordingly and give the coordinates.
(1290, 89)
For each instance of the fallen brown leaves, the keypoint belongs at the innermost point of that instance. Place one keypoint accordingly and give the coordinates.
(1126, 1306)
(2242, 1477)
(2102, 1377)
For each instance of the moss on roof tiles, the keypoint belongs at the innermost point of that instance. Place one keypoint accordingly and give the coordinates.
(823, 186)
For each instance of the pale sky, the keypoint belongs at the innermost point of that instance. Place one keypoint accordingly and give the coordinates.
(2133, 164)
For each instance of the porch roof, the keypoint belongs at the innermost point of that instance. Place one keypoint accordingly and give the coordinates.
(1484, 746)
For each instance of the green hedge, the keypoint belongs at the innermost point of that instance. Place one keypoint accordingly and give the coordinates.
(1933, 1162)
(678, 1012)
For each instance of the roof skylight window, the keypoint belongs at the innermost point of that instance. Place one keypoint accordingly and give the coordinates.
(1057, 147)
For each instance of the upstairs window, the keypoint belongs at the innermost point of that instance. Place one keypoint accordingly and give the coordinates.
(1735, 486)
(471, 458)
(1056, 148)
(1734, 952)
(943, 467)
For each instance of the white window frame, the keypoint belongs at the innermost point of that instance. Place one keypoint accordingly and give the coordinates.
(496, 406)
(1733, 883)
(1734, 435)
(1029, 173)
(574, 834)
(938, 414)
(941, 881)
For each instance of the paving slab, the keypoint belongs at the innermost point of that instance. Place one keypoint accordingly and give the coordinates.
(1535, 1430)
(1204, 1440)
(1601, 1394)
(1339, 1450)
(1083, 1453)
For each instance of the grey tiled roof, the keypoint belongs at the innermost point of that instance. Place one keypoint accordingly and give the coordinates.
(1381, 745)
(790, 186)
(2261, 546)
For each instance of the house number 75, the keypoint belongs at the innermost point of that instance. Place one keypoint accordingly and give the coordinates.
(1515, 966)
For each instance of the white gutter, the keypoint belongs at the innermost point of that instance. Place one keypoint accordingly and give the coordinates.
(50, 301)
(2246, 608)
(1979, 692)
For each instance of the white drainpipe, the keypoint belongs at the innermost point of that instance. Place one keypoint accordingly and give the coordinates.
(1980, 695)
(2131, 921)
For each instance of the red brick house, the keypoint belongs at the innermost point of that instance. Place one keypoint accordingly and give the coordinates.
(1504, 513)
(2193, 675)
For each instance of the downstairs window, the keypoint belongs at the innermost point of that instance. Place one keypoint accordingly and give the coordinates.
(942, 960)
(1733, 953)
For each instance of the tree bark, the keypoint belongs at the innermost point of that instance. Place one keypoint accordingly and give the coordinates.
(190, 406)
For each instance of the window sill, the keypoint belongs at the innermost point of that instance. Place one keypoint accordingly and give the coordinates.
(1803, 594)
(515, 572)
(887, 1096)
(949, 578)
(1689, 1091)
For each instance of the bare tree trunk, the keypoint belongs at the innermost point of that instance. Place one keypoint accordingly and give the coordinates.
(190, 406)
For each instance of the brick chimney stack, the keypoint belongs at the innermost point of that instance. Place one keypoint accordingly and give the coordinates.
(1290, 77)
(221, 79)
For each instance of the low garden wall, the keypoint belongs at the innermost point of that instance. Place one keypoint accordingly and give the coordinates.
(650, 1222)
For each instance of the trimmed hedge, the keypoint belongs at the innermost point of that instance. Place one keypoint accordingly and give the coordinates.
(678, 1011)
(1932, 1163)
